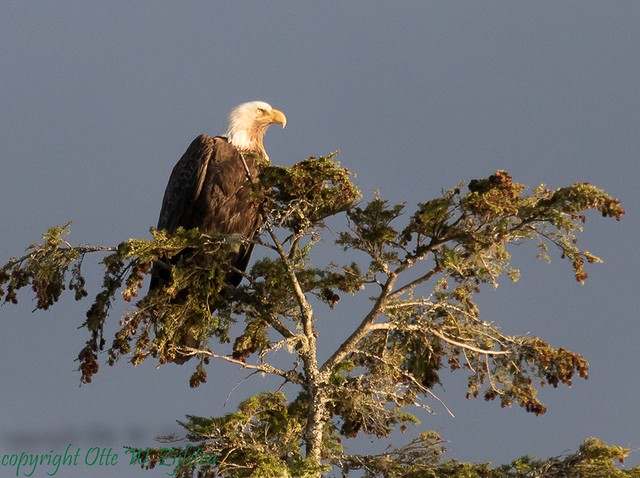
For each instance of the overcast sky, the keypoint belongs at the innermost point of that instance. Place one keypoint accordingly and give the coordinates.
(100, 99)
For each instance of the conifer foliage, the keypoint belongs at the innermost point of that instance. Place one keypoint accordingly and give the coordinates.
(419, 271)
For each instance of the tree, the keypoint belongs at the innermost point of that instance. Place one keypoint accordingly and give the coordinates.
(422, 272)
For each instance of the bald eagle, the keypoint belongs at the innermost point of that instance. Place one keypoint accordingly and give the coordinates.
(210, 187)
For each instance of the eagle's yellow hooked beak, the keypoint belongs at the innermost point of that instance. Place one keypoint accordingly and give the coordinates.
(278, 117)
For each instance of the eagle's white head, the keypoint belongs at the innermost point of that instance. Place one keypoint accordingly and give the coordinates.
(248, 122)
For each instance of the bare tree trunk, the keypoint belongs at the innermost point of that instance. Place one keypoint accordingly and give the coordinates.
(315, 423)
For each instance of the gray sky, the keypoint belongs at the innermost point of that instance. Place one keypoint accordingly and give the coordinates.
(100, 99)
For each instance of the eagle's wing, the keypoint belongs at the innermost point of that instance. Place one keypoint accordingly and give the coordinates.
(185, 185)
(225, 204)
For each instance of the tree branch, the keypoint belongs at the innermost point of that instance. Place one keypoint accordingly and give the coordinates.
(413, 284)
(290, 375)
(303, 304)
(362, 330)
(391, 326)
(81, 250)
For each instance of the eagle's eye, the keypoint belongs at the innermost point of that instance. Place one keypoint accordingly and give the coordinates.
(260, 111)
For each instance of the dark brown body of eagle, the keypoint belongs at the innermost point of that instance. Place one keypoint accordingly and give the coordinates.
(210, 188)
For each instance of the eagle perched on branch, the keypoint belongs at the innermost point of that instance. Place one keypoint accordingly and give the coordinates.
(210, 186)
